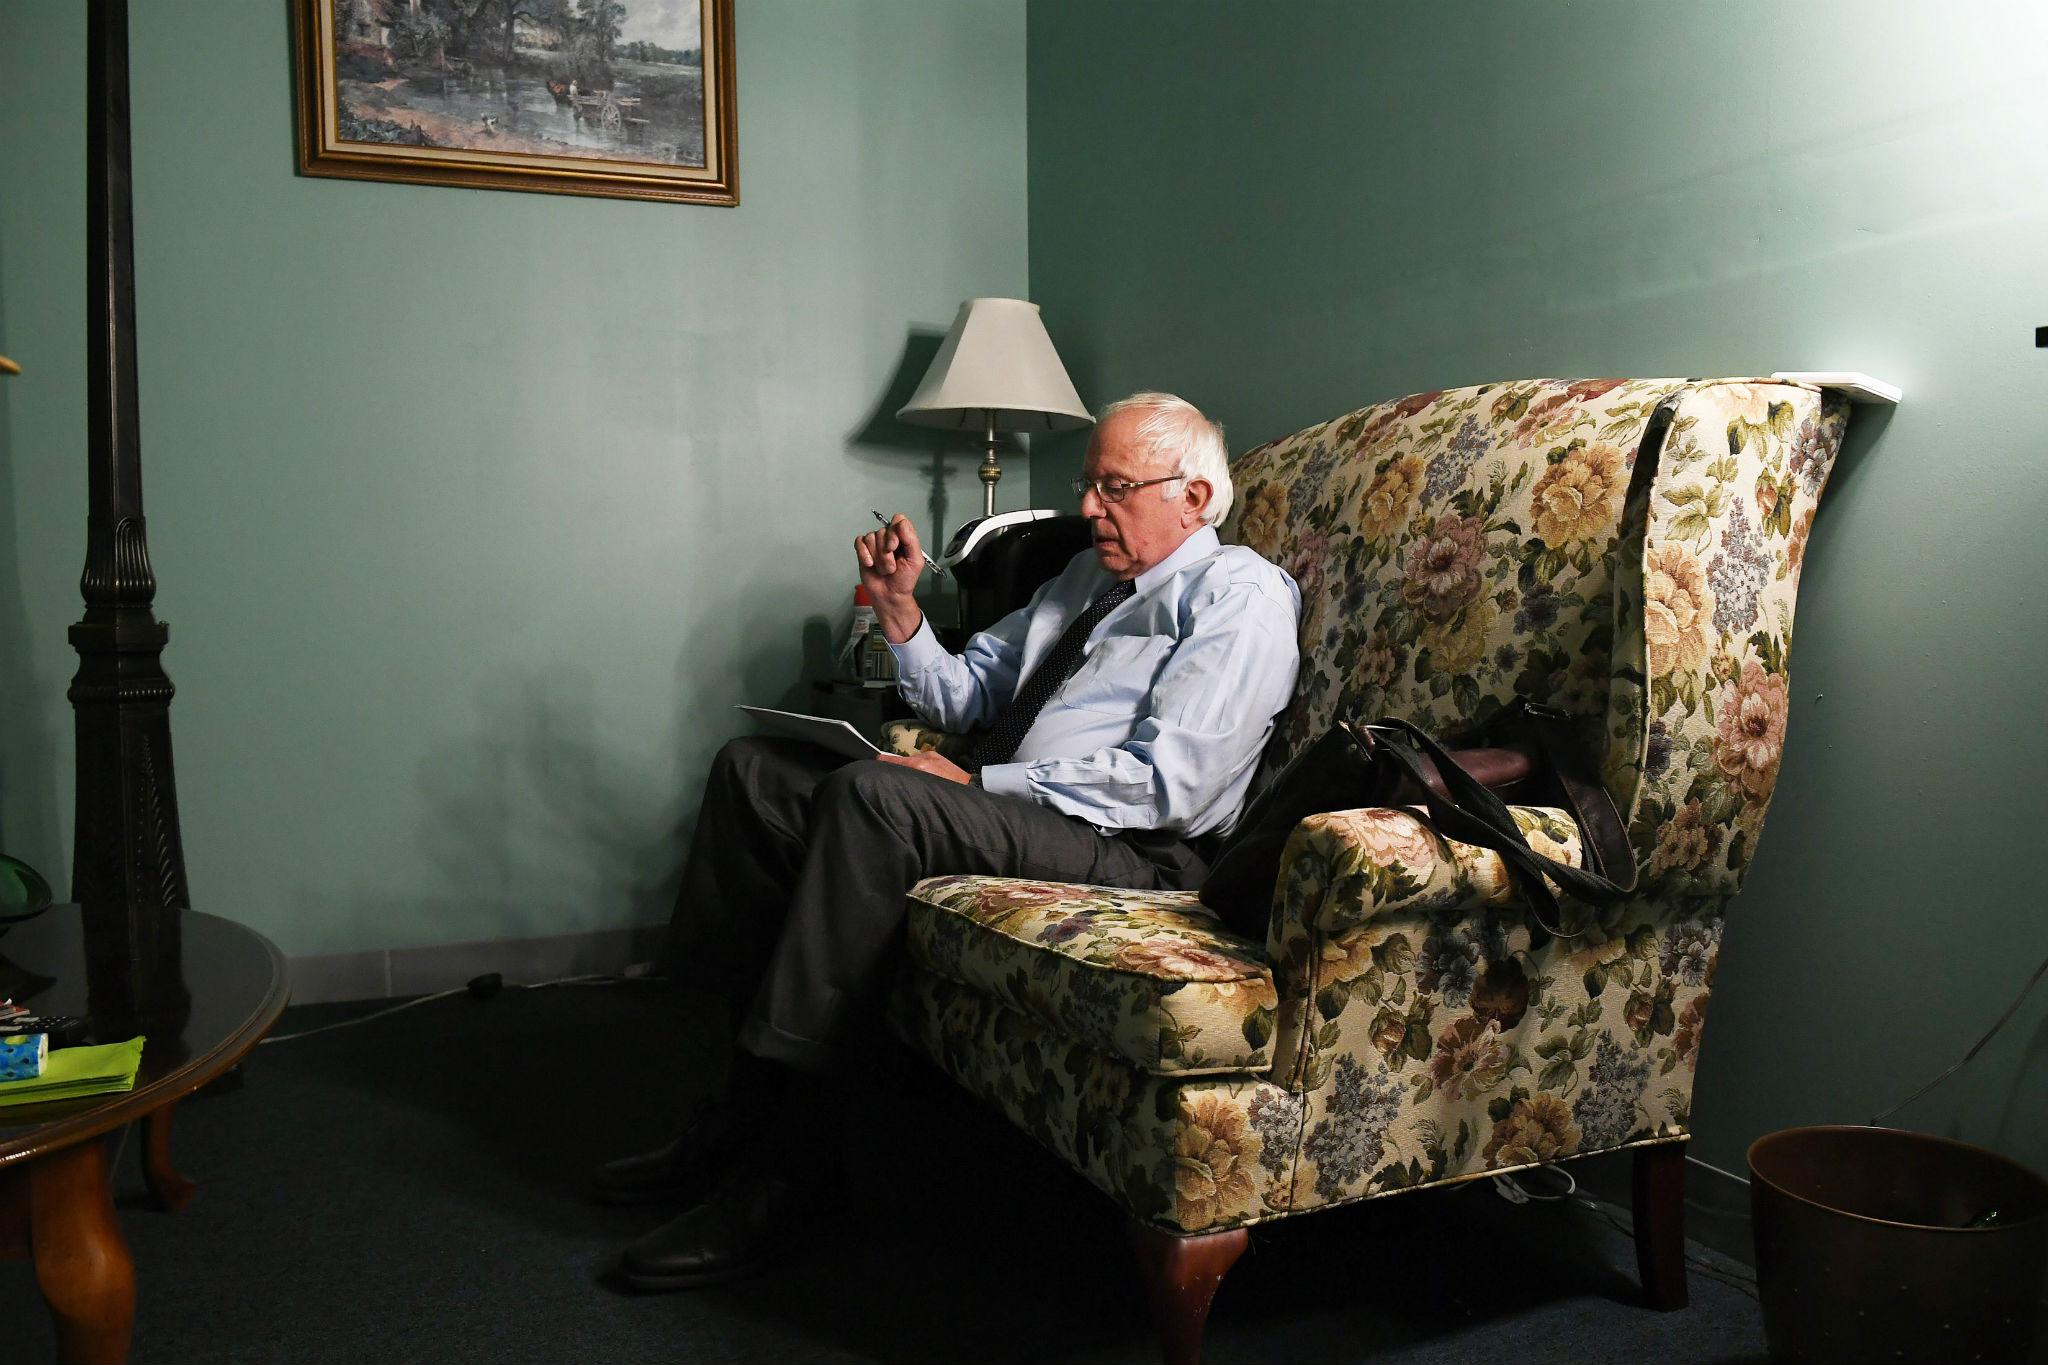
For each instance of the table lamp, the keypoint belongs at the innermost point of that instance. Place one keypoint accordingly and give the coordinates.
(996, 371)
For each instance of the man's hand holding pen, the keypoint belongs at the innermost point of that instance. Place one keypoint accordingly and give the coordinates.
(930, 563)
(891, 562)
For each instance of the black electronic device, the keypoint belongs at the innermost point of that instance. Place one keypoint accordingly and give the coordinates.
(65, 1030)
(999, 561)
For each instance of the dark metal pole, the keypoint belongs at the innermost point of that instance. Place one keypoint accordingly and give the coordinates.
(128, 863)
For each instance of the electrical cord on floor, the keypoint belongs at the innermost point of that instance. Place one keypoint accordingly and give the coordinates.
(1516, 1190)
(481, 987)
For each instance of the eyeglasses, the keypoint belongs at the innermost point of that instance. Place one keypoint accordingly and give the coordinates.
(1113, 490)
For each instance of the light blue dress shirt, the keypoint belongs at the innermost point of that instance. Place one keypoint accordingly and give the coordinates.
(1162, 725)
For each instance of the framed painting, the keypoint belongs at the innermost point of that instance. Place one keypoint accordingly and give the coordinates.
(629, 99)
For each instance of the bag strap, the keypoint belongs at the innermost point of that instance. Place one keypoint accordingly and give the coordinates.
(1608, 850)
(1465, 809)
(1468, 812)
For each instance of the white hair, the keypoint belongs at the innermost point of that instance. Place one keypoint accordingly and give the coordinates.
(1176, 435)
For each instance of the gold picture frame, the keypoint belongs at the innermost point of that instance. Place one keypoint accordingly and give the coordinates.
(551, 96)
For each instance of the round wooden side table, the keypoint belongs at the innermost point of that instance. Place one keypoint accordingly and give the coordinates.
(56, 1203)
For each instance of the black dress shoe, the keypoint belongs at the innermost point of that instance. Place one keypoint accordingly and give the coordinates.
(681, 1171)
(752, 1218)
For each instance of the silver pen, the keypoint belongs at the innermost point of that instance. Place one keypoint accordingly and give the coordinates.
(930, 563)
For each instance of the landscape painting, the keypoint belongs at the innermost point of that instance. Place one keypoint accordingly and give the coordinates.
(629, 98)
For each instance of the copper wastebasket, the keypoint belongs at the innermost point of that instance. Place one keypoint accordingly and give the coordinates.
(1874, 1244)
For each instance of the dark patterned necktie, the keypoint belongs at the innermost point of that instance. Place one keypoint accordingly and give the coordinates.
(1000, 741)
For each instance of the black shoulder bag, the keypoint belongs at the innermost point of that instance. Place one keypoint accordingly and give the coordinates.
(1537, 761)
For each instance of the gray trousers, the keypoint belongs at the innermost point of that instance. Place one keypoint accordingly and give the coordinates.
(794, 889)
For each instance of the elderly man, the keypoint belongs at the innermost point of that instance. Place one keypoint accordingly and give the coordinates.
(1120, 716)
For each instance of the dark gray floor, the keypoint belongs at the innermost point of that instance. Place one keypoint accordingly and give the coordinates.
(403, 1190)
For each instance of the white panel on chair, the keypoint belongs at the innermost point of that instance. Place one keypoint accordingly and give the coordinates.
(1861, 388)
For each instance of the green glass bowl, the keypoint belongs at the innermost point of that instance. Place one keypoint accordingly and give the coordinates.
(23, 892)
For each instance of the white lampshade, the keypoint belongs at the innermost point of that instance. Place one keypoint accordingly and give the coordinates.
(997, 368)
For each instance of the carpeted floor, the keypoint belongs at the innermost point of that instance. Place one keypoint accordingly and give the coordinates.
(404, 1190)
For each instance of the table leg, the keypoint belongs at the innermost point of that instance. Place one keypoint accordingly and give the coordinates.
(82, 1261)
(171, 1190)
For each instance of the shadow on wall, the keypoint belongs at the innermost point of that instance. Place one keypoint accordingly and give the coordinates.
(882, 438)
(536, 820)
(546, 820)
(1828, 569)
(1867, 423)
(28, 748)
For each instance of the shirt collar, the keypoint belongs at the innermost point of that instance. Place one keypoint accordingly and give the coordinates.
(1203, 543)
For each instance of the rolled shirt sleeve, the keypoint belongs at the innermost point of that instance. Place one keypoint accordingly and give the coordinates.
(962, 692)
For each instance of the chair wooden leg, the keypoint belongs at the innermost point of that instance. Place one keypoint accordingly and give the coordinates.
(171, 1190)
(1659, 1206)
(1181, 1275)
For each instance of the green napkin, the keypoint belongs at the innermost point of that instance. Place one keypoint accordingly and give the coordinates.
(73, 1072)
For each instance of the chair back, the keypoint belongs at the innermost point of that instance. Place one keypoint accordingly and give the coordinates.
(1625, 550)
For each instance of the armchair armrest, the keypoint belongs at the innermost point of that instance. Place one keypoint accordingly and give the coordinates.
(1341, 872)
(908, 737)
(1343, 868)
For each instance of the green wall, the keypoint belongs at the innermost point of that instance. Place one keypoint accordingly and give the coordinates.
(475, 512)
(1288, 212)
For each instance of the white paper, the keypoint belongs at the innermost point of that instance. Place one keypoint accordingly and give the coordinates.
(836, 735)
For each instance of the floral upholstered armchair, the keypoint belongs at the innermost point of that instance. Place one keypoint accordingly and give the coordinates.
(1627, 550)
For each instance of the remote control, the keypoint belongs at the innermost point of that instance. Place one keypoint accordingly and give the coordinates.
(65, 1030)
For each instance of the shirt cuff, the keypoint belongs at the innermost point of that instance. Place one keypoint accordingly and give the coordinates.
(919, 652)
(1006, 779)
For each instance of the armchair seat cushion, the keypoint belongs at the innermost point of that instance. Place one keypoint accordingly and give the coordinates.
(1150, 977)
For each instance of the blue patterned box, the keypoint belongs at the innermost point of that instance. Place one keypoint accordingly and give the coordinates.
(22, 1056)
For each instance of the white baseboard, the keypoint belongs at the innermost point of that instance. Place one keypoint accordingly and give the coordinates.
(385, 973)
